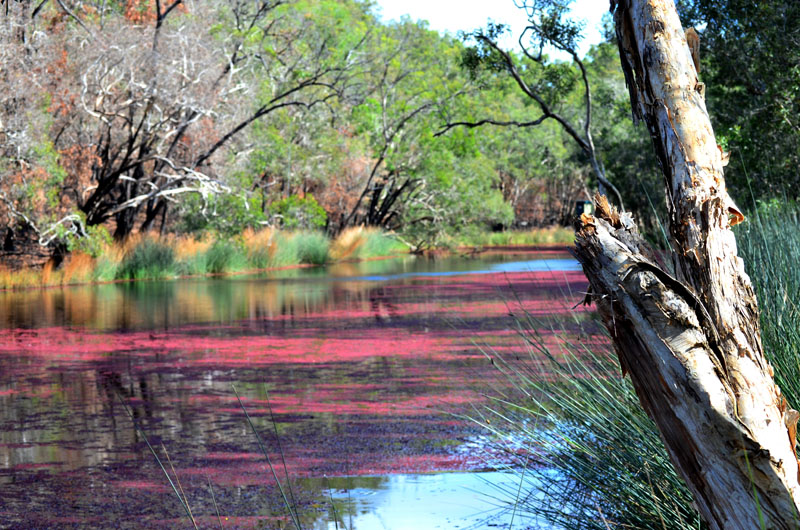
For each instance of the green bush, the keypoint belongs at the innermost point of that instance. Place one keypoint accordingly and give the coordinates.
(224, 256)
(147, 260)
(225, 214)
(379, 244)
(96, 241)
(296, 212)
(312, 247)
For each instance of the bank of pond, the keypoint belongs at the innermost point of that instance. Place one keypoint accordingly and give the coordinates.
(153, 257)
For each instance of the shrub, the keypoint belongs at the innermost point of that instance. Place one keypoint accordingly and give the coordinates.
(94, 244)
(148, 259)
(312, 247)
(295, 212)
(224, 256)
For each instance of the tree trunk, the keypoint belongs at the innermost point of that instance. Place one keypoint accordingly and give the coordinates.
(691, 341)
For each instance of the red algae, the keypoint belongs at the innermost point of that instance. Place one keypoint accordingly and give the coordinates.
(358, 380)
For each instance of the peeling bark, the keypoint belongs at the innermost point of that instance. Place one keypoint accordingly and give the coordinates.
(691, 341)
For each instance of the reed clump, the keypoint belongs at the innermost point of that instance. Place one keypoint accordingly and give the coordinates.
(586, 455)
(77, 268)
(362, 243)
(553, 235)
(146, 258)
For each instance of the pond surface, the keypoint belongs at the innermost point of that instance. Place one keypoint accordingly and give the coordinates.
(350, 374)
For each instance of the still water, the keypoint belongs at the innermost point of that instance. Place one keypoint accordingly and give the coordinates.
(350, 374)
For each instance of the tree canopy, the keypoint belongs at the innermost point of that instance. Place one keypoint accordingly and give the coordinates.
(134, 115)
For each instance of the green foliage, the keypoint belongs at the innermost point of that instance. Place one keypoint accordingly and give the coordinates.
(149, 259)
(225, 214)
(750, 55)
(296, 212)
(311, 247)
(97, 239)
(769, 244)
(224, 255)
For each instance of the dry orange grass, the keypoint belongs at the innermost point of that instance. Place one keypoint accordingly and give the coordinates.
(5, 277)
(348, 242)
(260, 242)
(19, 279)
(47, 273)
(77, 268)
(187, 246)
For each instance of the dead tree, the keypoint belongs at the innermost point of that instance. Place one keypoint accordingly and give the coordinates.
(691, 340)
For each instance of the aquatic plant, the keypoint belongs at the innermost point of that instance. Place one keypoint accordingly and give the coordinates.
(283, 251)
(224, 255)
(148, 258)
(312, 247)
(362, 242)
(259, 246)
(77, 268)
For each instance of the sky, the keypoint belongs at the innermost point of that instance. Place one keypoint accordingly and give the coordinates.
(467, 15)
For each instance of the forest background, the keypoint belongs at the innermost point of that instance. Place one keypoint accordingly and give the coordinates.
(120, 117)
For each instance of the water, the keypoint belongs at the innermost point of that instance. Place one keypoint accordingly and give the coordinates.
(348, 371)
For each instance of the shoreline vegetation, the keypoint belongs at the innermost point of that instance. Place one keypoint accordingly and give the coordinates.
(173, 257)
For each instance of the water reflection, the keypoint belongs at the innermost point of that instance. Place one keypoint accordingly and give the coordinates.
(400, 502)
(350, 375)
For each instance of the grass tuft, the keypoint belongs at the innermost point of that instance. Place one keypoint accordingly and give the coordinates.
(311, 247)
(571, 413)
(581, 421)
(224, 256)
(147, 258)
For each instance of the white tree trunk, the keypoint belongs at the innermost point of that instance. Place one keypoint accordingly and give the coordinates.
(691, 341)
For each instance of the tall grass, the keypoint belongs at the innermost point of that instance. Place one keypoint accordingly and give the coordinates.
(361, 243)
(311, 247)
(225, 256)
(147, 258)
(537, 236)
(592, 459)
(171, 256)
(769, 244)
(600, 461)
